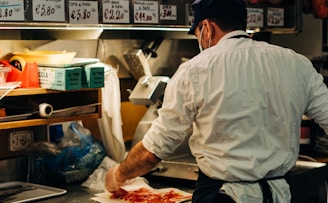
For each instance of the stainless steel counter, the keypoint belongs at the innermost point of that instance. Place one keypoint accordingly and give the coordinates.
(78, 194)
(75, 194)
(307, 185)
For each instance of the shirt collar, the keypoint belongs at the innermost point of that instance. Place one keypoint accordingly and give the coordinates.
(232, 34)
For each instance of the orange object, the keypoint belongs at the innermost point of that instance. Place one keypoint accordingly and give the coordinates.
(14, 74)
(29, 76)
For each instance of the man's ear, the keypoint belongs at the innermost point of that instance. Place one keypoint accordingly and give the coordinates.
(208, 29)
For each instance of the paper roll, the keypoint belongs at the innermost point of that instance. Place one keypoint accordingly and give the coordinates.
(45, 110)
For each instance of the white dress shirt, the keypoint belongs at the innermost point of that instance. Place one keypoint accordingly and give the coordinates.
(247, 99)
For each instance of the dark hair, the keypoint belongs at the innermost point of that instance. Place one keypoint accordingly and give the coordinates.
(228, 23)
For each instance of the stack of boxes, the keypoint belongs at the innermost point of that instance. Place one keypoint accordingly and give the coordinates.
(72, 78)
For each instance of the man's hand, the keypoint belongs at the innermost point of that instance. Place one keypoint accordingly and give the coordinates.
(111, 183)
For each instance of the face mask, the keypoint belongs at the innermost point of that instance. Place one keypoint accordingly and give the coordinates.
(200, 40)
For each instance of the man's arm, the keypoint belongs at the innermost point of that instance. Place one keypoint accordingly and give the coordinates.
(138, 162)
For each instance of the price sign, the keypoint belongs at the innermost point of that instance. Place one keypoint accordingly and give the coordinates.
(275, 17)
(116, 11)
(168, 12)
(49, 10)
(255, 17)
(189, 14)
(12, 11)
(146, 12)
(83, 12)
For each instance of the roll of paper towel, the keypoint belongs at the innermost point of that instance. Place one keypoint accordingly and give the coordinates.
(45, 110)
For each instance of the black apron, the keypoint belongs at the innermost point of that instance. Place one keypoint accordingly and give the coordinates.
(207, 190)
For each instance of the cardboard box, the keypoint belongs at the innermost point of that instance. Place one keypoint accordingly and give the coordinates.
(60, 78)
(93, 76)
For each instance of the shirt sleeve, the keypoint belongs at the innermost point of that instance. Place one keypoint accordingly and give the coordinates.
(175, 118)
(317, 107)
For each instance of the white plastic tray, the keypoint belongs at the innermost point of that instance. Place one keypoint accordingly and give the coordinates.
(39, 192)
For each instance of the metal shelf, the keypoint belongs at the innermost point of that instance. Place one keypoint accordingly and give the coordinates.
(82, 97)
(38, 122)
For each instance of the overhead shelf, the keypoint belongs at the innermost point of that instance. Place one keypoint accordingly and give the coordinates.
(289, 14)
(48, 31)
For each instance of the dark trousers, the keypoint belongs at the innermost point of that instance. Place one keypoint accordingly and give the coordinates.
(207, 191)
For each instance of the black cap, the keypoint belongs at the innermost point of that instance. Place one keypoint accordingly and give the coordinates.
(217, 8)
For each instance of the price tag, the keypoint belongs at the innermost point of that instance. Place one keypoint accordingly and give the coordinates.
(189, 14)
(83, 12)
(12, 11)
(116, 11)
(275, 17)
(168, 12)
(145, 12)
(49, 10)
(255, 17)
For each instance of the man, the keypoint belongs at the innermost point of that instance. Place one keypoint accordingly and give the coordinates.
(246, 98)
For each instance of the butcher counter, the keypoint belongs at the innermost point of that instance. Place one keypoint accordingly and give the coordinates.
(308, 185)
(78, 194)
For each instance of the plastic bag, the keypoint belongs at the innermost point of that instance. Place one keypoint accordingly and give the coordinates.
(96, 179)
(88, 154)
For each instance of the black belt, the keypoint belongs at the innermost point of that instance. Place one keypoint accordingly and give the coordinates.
(208, 184)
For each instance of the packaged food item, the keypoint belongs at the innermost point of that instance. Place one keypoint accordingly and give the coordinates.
(60, 78)
(93, 76)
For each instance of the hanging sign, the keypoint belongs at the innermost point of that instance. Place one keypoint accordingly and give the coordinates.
(48, 10)
(12, 10)
(168, 12)
(146, 12)
(189, 14)
(116, 11)
(275, 17)
(255, 17)
(83, 12)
